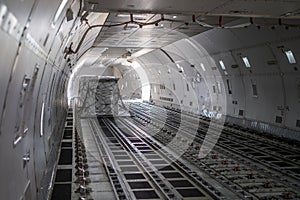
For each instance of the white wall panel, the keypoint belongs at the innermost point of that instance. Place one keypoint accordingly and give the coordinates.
(270, 71)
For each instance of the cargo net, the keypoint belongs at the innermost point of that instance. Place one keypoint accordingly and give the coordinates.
(100, 97)
(107, 97)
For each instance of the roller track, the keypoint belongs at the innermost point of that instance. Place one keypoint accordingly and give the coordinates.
(250, 165)
(139, 168)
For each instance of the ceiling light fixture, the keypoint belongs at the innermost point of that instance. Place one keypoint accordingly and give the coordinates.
(222, 65)
(58, 12)
(290, 56)
(202, 66)
(246, 62)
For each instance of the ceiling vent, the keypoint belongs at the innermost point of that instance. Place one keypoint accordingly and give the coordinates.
(234, 66)
(272, 62)
(278, 119)
(297, 123)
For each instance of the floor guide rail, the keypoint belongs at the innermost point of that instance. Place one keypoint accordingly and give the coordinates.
(144, 169)
(248, 164)
(155, 154)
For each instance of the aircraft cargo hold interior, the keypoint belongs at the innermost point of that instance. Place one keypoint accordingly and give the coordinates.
(136, 99)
